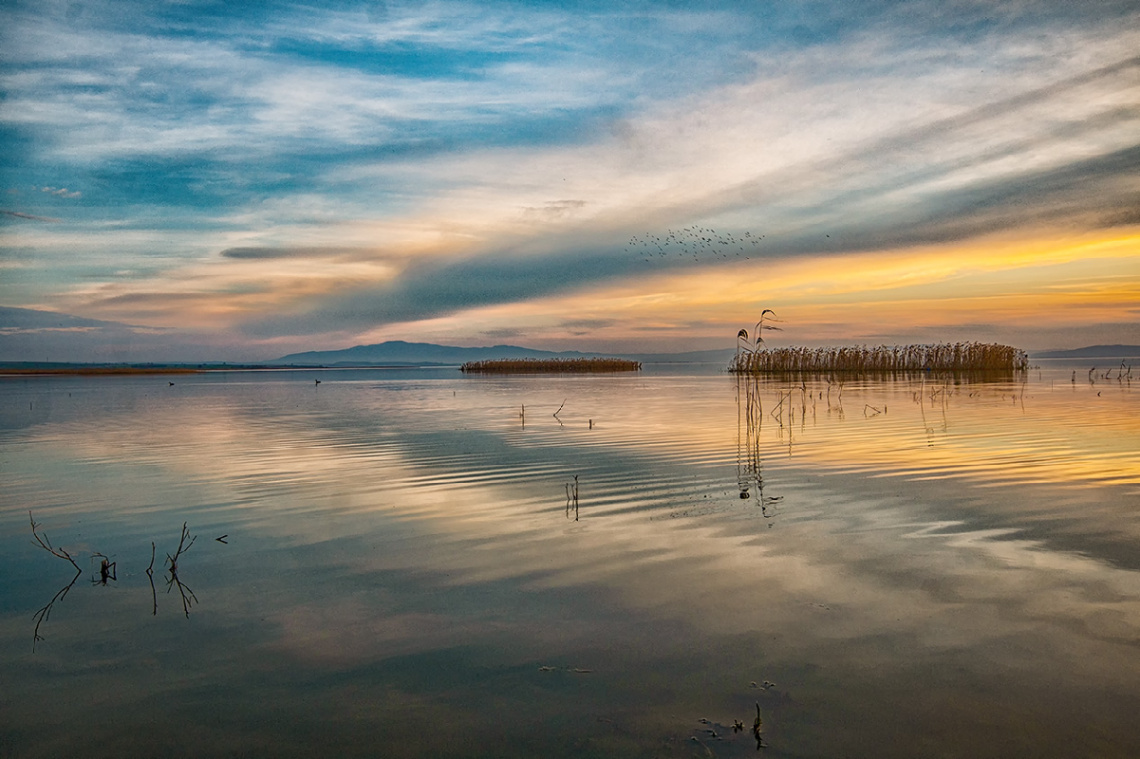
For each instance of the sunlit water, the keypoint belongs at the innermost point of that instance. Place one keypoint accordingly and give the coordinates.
(392, 563)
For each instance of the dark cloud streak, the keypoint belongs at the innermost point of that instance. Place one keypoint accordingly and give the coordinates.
(28, 216)
(269, 254)
(442, 288)
(1081, 194)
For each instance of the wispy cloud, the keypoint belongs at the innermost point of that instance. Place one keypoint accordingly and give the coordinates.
(28, 216)
(62, 192)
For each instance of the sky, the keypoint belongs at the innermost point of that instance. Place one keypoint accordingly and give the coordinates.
(200, 180)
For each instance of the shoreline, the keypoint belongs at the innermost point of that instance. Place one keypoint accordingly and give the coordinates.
(77, 370)
(95, 371)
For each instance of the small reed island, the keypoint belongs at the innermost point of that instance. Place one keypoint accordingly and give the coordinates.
(550, 366)
(940, 358)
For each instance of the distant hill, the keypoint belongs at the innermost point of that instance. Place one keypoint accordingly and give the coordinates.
(1093, 351)
(401, 353)
(717, 356)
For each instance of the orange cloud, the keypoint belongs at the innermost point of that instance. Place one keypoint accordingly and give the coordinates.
(1040, 282)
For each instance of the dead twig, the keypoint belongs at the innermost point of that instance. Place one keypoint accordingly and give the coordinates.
(188, 597)
(41, 616)
(150, 576)
(45, 543)
(107, 570)
(183, 547)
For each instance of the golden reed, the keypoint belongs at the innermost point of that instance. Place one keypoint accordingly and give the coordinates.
(551, 365)
(883, 359)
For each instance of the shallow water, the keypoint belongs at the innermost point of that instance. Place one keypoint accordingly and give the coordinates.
(920, 568)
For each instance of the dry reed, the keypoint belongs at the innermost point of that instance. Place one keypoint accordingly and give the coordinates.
(956, 358)
(551, 366)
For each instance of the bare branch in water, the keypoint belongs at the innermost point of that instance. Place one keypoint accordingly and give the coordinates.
(183, 547)
(107, 571)
(41, 616)
(188, 597)
(150, 576)
(44, 542)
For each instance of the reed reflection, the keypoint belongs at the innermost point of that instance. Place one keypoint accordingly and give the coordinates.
(749, 425)
(937, 395)
(572, 498)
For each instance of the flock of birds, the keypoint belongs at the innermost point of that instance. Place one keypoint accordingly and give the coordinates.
(698, 243)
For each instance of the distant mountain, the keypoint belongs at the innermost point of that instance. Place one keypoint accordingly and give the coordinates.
(1093, 351)
(400, 353)
(716, 356)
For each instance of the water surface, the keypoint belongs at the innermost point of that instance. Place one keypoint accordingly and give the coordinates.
(919, 567)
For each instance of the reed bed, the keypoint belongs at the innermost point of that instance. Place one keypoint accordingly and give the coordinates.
(942, 358)
(551, 366)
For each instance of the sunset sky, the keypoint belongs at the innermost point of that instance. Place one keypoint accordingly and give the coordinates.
(227, 181)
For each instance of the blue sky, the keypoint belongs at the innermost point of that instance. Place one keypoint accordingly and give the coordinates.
(208, 180)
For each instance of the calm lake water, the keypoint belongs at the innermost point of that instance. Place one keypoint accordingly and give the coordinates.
(392, 563)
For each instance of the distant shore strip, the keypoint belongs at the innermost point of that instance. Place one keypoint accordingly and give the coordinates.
(27, 368)
(550, 366)
(97, 370)
(953, 358)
